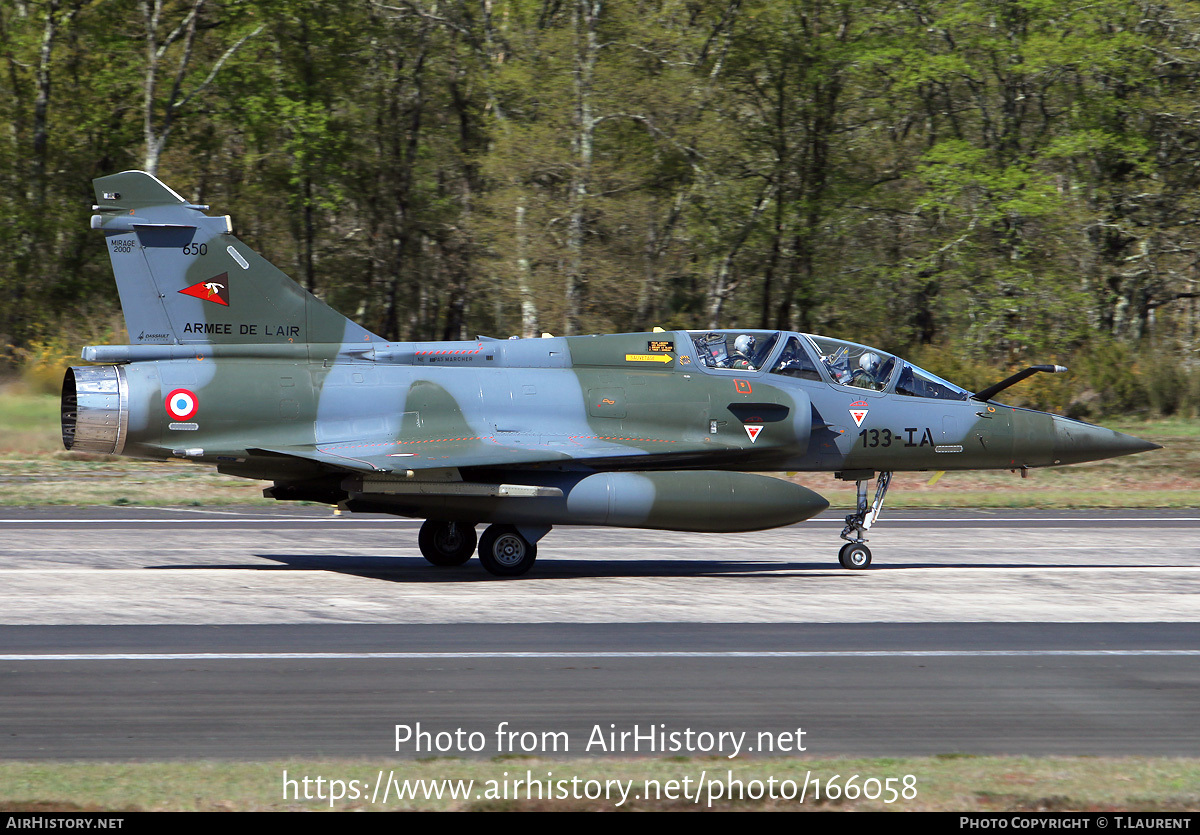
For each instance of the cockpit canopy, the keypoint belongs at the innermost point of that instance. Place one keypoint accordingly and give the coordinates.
(742, 350)
(820, 359)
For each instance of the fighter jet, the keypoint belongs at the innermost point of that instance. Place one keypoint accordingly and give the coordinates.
(232, 364)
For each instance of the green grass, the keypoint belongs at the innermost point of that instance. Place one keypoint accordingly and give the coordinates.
(1173, 427)
(29, 422)
(946, 783)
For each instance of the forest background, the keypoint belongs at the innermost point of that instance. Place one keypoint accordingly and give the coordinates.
(977, 185)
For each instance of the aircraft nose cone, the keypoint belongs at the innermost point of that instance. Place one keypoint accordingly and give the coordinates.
(1075, 442)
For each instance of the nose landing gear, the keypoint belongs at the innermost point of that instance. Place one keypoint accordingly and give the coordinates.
(855, 554)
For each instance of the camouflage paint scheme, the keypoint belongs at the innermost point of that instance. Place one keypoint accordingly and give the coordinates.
(233, 364)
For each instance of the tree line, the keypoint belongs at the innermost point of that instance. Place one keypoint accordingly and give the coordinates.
(1013, 178)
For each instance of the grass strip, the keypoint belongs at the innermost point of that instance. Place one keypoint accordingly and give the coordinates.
(942, 783)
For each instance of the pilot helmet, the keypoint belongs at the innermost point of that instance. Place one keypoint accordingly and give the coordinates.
(869, 362)
(744, 344)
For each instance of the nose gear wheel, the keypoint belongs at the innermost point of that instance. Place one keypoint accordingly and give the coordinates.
(855, 554)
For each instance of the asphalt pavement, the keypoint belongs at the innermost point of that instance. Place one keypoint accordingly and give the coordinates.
(252, 633)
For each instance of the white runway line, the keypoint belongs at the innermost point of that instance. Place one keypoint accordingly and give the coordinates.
(369, 563)
(273, 520)
(450, 656)
(345, 519)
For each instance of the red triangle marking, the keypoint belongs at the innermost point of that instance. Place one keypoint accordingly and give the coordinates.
(753, 431)
(216, 289)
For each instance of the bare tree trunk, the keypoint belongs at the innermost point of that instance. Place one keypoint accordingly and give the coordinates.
(457, 250)
(657, 241)
(772, 265)
(404, 155)
(41, 106)
(721, 287)
(157, 130)
(310, 230)
(529, 314)
(33, 255)
(584, 17)
(494, 57)
(155, 135)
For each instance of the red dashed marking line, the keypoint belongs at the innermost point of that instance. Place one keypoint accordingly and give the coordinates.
(441, 353)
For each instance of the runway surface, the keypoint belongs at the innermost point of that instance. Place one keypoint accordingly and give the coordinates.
(303, 565)
(169, 633)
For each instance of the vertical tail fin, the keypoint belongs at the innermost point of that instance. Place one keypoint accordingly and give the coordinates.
(184, 278)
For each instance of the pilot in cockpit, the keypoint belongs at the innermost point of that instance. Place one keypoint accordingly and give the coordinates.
(743, 349)
(866, 375)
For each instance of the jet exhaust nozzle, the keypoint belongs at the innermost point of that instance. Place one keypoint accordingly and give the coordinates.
(95, 409)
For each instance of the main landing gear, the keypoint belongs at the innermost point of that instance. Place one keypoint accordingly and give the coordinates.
(446, 543)
(855, 554)
(504, 550)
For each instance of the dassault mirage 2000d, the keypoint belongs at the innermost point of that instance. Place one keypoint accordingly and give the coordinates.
(233, 364)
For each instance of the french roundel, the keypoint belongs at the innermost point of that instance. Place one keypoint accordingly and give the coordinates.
(182, 404)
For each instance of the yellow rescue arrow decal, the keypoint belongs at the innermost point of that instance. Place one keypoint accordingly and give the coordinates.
(648, 358)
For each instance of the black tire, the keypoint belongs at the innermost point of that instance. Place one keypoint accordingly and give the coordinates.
(446, 543)
(854, 556)
(504, 552)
